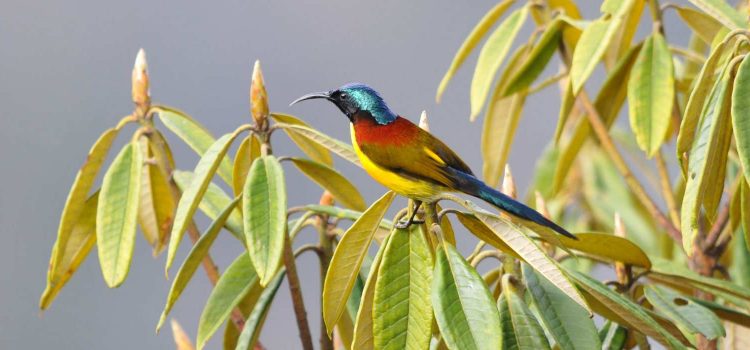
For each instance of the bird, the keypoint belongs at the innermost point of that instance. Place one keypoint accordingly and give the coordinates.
(409, 160)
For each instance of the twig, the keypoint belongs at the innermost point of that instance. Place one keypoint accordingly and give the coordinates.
(666, 188)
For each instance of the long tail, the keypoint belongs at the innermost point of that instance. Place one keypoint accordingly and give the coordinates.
(475, 187)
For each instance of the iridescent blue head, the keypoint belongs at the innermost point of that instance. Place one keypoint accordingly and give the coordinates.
(354, 98)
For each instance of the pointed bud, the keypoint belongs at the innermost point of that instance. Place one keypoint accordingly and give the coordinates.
(259, 98)
(509, 185)
(423, 122)
(181, 339)
(541, 205)
(326, 198)
(140, 86)
(619, 226)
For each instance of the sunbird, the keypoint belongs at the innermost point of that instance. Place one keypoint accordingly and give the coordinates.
(409, 160)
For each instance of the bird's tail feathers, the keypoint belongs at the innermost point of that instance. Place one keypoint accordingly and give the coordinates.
(475, 187)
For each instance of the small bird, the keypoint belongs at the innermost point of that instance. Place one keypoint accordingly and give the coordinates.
(410, 161)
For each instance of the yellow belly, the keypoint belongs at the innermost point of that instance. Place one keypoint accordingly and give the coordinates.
(407, 187)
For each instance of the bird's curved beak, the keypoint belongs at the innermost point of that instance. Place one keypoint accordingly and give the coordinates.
(326, 95)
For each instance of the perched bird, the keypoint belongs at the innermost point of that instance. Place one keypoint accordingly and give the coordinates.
(409, 160)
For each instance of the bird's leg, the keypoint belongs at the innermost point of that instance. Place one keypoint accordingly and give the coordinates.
(404, 224)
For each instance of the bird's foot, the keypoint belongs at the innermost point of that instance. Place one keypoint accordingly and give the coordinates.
(403, 224)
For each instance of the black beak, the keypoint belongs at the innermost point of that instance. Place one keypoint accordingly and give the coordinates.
(325, 95)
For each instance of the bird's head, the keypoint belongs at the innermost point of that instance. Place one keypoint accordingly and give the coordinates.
(356, 99)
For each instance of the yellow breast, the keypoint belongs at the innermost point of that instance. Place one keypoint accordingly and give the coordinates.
(415, 189)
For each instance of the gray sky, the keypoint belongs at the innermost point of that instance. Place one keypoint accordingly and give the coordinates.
(65, 77)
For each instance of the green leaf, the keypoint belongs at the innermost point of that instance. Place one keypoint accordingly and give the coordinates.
(347, 260)
(537, 59)
(402, 313)
(343, 150)
(464, 308)
(704, 26)
(741, 115)
(566, 107)
(590, 49)
(695, 104)
(651, 94)
(707, 160)
(567, 322)
(678, 275)
(614, 336)
(471, 42)
(255, 320)
(725, 312)
(117, 214)
(520, 328)
(312, 149)
(332, 181)
(231, 288)
(77, 247)
(264, 214)
(191, 196)
(497, 135)
(491, 57)
(628, 312)
(213, 203)
(194, 135)
(745, 209)
(684, 312)
(247, 152)
(78, 194)
(722, 12)
(363, 327)
(194, 259)
(530, 252)
(608, 103)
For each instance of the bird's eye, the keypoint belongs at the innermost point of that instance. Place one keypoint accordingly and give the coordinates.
(343, 96)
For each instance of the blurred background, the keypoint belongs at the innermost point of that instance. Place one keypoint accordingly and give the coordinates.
(65, 77)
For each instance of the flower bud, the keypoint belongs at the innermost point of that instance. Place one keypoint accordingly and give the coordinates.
(423, 122)
(326, 199)
(509, 185)
(140, 86)
(258, 98)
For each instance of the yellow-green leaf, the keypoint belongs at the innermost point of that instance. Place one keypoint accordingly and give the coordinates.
(632, 314)
(311, 148)
(247, 152)
(194, 134)
(745, 209)
(610, 247)
(491, 57)
(741, 115)
(192, 194)
(590, 49)
(707, 160)
(213, 202)
(343, 150)
(194, 259)
(347, 260)
(520, 328)
(363, 332)
(528, 250)
(77, 247)
(695, 105)
(686, 313)
(231, 288)
(704, 26)
(497, 135)
(256, 319)
(537, 59)
(79, 192)
(567, 103)
(471, 42)
(481, 231)
(402, 312)
(722, 12)
(567, 322)
(264, 214)
(117, 214)
(156, 204)
(332, 181)
(464, 308)
(651, 94)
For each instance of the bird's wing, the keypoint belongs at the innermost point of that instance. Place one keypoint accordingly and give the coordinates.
(422, 157)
